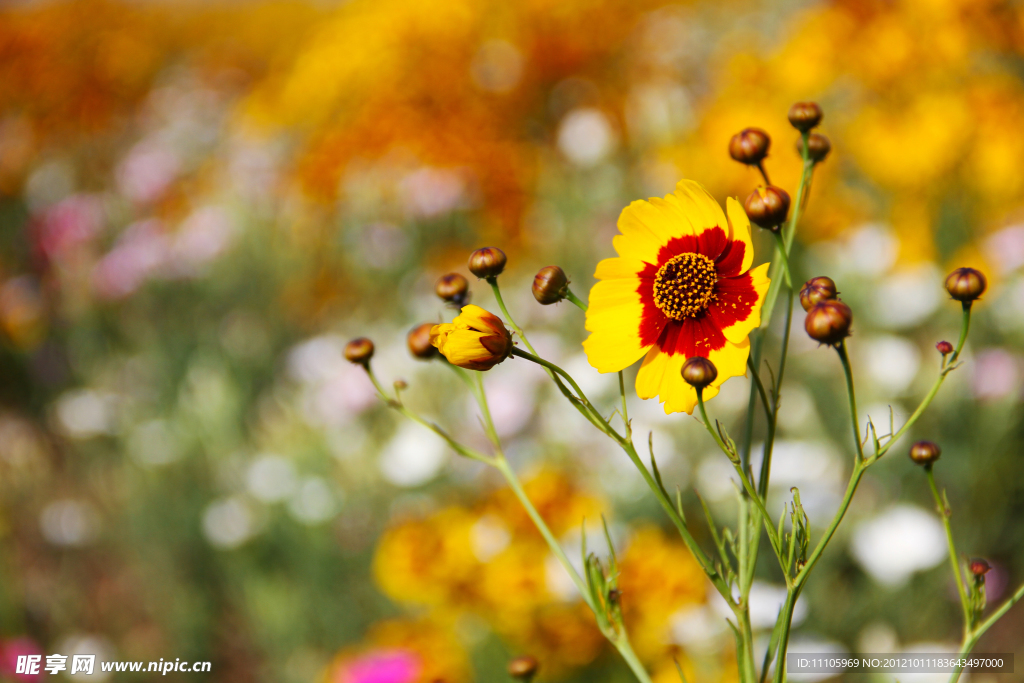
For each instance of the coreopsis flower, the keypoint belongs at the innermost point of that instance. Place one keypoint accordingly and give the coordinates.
(475, 340)
(681, 286)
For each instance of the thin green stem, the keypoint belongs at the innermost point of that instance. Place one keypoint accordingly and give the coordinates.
(575, 299)
(625, 649)
(926, 401)
(783, 642)
(783, 257)
(848, 371)
(954, 560)
(625, 409)
(971, 639)
(773, 419)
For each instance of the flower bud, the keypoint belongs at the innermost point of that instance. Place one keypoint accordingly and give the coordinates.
(419, 342)
(475, 340)
(829, 321)
(816, 290)
(749, 146)
(699, 372)
(487, 262)
(966, 284)
(767, 207)
(944, 347)
(925, 452)
(359, 351)
(818, 147)
(452, 288)
(979, 567)
(401, 384)
(523, 668)
(805, 115)
(550, 285)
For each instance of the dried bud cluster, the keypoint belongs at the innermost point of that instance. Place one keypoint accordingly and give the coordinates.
(523, 668)
(925, 452)
(816, 290)
(419, 342)
(359, 351)
(966, 284)
(749, 146)
(699, 372)
(805, 116)
(453, 288)
(767, 207)
(828, 322)
(550, 285)
(487, 262)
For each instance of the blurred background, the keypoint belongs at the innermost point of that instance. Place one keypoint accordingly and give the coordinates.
(200, 203)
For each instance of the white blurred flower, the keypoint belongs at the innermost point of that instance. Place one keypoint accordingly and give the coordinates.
(148, 170)
(383, 245)
(201, 238)
(766, 601)
(87, 644)
(270, 478)
(997, 374)
(497, 66)
(657, 111)
(84, 413)
(428, 192)
(716, 477)
(897, 543)
(867, 250)
(557, 580)
(413, 457)
(510, 397)
(228, 523)
(488, 537)
(891, 362)
(698, 628)
(585, 136)
(139, 254)
(313, 502)
(69, 523)
(907, 298)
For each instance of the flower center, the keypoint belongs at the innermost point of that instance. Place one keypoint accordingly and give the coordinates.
(685, 286)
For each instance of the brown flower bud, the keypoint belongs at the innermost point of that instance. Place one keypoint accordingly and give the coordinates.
(699, 372)
(749, 146)
(925, 452)
(419, 342)
(980, 567)
(359, 351)
(966, 284)
(805, 115)
(767, 207)
(550, 285)
(944, 347)
(816, 290)
(523, 668)
(452, 288)
(818, 147)
(487, 262)
(829, 321)
(401, 384)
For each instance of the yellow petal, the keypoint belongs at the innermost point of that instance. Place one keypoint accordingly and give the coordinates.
(700, 207)
(740, 330)
(680, 397)
(739, 225)
(613, 320)
(651, 374)
(618, 268)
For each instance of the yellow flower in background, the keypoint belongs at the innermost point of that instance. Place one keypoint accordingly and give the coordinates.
(681, 287)
(475, 340)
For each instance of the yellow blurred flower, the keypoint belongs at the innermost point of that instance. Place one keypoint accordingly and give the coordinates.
(475, 340)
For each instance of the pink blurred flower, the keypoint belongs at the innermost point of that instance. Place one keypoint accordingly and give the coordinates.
(139, 254)
(996, 374)
(10, 650)
(387, 666)
(68, 224)
(147, 172)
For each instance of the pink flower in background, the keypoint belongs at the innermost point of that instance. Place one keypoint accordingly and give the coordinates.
(10, 650)
(382, 666)
(68, 224)
(139, 254)
(996, 374)
(147, 172)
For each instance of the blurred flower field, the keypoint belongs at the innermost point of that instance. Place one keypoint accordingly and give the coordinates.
(200, 203)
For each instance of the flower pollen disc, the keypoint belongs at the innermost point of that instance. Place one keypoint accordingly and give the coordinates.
(685, 285)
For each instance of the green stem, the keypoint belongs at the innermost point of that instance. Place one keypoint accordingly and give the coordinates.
(848, 371)
(971, 639)
(575, 299)
(783, 257)
(625, 409)
(786, 618)
(954, 561)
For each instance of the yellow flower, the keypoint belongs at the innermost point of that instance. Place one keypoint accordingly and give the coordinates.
(682, 286)
(475, 340)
